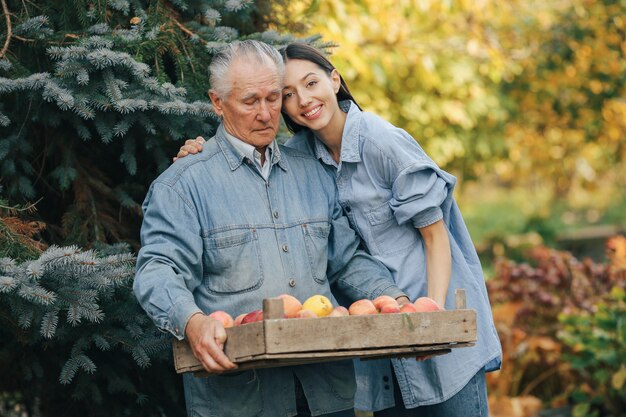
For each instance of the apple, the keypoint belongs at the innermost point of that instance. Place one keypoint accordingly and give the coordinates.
(239, 319)
(306, 314)
(390, 308)
(256, 315)
(361, 307)
(223, 317)
(291, 305)
(318, 304)
(382, 300)
(408, 308)
(424, 304)
(339, 311)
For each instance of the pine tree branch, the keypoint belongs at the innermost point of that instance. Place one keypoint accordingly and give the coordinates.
(193, 68)
(25, 9)
(19, 38)
(17, 208)
(184, 29)
(7, 16)
(32, 4)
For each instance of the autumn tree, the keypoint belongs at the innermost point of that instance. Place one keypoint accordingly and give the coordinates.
(526, 94)
(569, 120)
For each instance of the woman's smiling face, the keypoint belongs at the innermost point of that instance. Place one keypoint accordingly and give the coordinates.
(309, 94)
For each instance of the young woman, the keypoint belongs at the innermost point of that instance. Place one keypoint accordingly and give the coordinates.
(401, 204)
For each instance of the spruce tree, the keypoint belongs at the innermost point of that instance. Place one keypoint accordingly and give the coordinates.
(96, 96)
(75, 341)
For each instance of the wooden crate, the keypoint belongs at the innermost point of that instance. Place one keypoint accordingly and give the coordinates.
(277, 341)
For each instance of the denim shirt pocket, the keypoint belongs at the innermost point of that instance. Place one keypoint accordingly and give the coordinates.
(234, 395)
(316, 244)
(335, 374)
(232, 261)
(388, 236)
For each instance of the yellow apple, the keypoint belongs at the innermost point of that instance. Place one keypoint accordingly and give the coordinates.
(318, 304)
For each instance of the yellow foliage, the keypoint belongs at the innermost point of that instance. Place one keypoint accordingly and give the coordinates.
(532, 91)
(523, 406)
(619, 378)
(616, 252)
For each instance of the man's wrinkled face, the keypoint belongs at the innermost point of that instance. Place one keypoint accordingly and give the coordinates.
(251, 112)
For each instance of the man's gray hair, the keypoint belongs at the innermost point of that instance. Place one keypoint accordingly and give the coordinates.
(262, 53)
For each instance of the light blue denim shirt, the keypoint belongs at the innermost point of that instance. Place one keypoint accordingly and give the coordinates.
(217, 236)
(250, 152)
(388, 187)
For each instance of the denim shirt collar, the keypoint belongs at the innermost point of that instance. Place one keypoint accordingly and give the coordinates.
(349, 140)
(235, 157)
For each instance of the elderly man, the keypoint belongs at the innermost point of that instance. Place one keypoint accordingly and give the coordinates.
(244, 220)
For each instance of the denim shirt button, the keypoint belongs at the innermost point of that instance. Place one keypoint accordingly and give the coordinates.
(385, 378)
(348, 209)
(275, 214)
(292, 282)
(285, 248)
(386, 387)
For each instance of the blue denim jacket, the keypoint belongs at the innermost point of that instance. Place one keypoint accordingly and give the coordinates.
(389, 187)
(217, 236)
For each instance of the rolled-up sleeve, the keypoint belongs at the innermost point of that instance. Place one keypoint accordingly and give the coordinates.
(416, 186)
(169, 264)
(417, 195)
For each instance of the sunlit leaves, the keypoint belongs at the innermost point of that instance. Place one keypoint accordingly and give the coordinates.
(532, 92)
(429, 67)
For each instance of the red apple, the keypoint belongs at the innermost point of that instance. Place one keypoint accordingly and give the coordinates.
(339, 311)
(256, 315)
(426, 304)
(382, 300)
(390, 308)
(223, 317)
(361, 307)
(239, 318)
(408, 308)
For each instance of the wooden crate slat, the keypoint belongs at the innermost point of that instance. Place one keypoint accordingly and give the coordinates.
(357, 332)
(245, 340)
(291, 359)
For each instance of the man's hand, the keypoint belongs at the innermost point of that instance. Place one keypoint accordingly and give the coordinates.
(206, 337)
(191, 146)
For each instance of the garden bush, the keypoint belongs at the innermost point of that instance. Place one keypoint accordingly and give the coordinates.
(529, 298)
(596, 343)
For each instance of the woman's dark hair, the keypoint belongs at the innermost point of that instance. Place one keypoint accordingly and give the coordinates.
(298, 50)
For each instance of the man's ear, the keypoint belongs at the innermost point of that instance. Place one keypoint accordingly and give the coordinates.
(335, 78)
(217, 102)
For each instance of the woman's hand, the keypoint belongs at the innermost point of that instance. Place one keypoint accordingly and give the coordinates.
(403, 300)
(191, 146)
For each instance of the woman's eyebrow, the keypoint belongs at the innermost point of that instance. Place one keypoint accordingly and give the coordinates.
(301, 79)
(305, 77)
